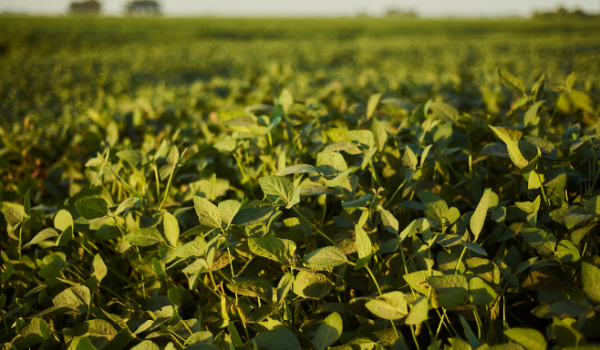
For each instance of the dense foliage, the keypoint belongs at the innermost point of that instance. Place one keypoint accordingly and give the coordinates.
(459, 215)
(55, 69)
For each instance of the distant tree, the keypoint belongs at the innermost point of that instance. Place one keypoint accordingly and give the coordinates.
(142, 7)
(88, 7)
(398, 12)
(562, 13)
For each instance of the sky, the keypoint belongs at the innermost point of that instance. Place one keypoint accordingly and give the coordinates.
(425, 8)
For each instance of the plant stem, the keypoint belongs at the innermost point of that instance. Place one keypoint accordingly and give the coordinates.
(157, 183)
(477, 320)
(166, 190)
(459, 260)
(394, 195)
(313, 226)
(374, 279)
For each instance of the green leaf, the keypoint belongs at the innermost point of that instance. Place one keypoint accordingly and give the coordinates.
(76, 298)
(471, 338)
(42, 236)
(199, 337)
(539, 239)
(32, 333)
(511, 82)
(423, 156)
(100, 332)
(13, 216)
(331, 163)
(459, 344)
(513, 148)
(409, 230)
(131, 202)
(208, 213)
(62, 220)
(311, 285)
(443, 136)
(171, 229)
(278, 189)
(8, 272)
(279, 339)
(324, 258)
(577, 216)
(567, 252)
(99, 269)
(534, 181)
(362, 262)
(379, 134)
(64, 237)
(92, 208)
(529, 338)
(443, 284)
(389, 306)
(435, 207)
(567, 335)
(372, 104)
(570, 82)
(328, 332)
(158, 268)
(253, 213)
(144, 237)
(299, 169)
(132, 156)
(285, 284)
(452, 215)
(577, 235)
(146, 345)
(120, 340)
(531, 113)
(240, 121)
(389, 247)
(478, 217)
(367, 157)
(198, 265)
(410, 159)
(253, 287)
(339, 180)
(82, 344)
(228, 210)
(474, 247)
(173, 156)
(451, 289)
(281, 250)
(590, 276)
(295, 198)
(235, 335)
(363, 243)
(444, 111)
(286, 100)
(389, 221)
(363, 138)
(108, 230)
(480, 293)
(27, 203)
(362, 201)
(418, 311)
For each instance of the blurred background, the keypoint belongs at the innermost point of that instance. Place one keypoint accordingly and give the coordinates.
(62, 59)
(328, 8)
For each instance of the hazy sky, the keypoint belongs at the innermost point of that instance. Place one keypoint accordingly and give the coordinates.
(426, 8)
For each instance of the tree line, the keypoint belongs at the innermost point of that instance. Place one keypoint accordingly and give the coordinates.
(135, 7)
